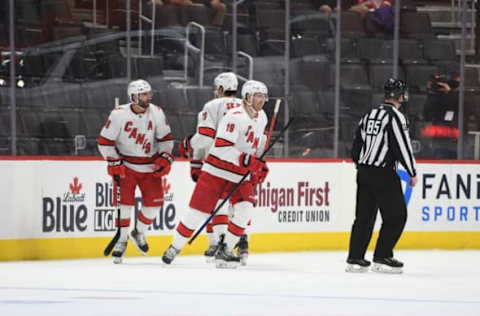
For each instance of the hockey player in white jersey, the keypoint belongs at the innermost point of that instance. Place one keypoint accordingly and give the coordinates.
(136, 142)
(196, 146)
(234, 153)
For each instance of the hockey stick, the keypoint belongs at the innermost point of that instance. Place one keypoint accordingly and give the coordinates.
(115, 238)
(238, 184)
(272, 121)
(271, 128)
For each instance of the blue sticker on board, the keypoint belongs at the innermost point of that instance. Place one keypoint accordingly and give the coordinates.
(404, 176)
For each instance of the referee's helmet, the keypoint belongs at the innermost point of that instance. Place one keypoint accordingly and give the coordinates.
(395, 88)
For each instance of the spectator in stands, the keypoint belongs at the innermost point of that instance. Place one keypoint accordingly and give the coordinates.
(442, 99)
(364, 6)
(217, 6)
(441, 115)
(327, 6)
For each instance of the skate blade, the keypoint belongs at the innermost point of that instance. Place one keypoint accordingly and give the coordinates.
(210, 259)
(166, 262)
(144, 253)
(140, 250)
(117, 260)
(355, 268)
(243, 259)
(382, 268)
(221, 264)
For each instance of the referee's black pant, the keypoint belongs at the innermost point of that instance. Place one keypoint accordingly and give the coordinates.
(377, 188)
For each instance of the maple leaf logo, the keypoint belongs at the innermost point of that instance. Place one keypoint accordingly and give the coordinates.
(75, 187)
(165, 185)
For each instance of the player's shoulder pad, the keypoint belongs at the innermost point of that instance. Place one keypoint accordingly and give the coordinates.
(235, 114)
(119, 109)
(156, 109)
(211, 103)
(122, 107)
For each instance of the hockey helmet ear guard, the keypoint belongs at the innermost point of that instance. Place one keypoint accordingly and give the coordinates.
(252, 86)
(227, 81)
(137, 87)
(395, 88)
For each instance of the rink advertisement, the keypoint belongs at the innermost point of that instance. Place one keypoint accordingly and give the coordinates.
(74, 199)
(303, 197)
(68, 199)
(307, 204)
(448, 198)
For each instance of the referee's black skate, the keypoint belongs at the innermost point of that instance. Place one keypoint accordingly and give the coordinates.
(357, 265)
(387, 265)
(225, 259)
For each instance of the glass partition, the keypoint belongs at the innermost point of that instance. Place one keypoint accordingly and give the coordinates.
(74, 58)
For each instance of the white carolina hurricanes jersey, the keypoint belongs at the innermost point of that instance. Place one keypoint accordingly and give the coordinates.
(135, 138)
(237, 133)
(208, 120)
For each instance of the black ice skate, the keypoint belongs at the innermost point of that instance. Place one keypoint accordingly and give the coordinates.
(210, 253)
(357, 265)
(387, 265)
(170, 254)
(242, 251)
(119, 251)
(225, 259)
(139, 241)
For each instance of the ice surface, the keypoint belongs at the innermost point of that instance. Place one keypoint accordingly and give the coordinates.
(307, 283)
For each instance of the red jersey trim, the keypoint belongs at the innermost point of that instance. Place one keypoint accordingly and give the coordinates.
(220, 142)
(144, 219)
(225, 165)
(220, 219)
(166, 138)
(140, 160)
(105, 141)
(206, 131)
(235, 229)
(184, 230)
(123, 222)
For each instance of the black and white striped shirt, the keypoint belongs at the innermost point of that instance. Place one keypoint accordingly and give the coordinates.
(382, 140)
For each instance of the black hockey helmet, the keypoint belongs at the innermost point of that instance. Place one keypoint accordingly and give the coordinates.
(394, 88)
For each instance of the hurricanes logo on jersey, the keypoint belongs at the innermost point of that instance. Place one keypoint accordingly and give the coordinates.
(251, 137)
(140, 138)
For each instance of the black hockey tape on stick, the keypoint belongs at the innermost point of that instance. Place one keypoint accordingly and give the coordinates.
(284, 129)
(273, 121)
(115, 238)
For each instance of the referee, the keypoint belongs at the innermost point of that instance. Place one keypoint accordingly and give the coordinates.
(381, 142)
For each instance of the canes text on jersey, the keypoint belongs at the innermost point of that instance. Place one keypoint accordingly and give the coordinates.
(250, 135)
(139, 137)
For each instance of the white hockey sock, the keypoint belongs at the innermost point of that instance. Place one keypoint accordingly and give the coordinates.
(145, 218)
(231, 240)
(237, 224)
(220, 220)
(186, 227)
(219, 229)
(125, 214)
(212, 238)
